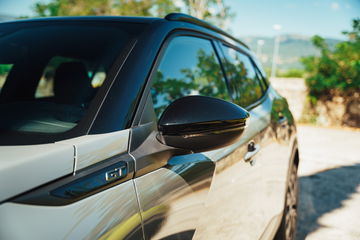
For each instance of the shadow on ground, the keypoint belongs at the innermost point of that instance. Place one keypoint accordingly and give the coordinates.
(322, 193)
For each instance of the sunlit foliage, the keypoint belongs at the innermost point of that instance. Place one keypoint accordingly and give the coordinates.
(336, 72)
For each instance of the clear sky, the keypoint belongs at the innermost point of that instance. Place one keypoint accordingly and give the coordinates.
(256, 17)
(306, 17)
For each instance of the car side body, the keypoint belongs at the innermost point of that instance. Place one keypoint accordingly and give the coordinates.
(115, 176)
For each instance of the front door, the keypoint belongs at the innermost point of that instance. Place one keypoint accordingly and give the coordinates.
(172, 196)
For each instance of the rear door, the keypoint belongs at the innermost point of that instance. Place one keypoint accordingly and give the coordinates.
(252, 173)
(235, 204)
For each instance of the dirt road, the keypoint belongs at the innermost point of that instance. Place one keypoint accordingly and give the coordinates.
(329, 175)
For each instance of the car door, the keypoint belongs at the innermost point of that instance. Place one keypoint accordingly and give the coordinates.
(171, 206)
(172, 184)
(235, 204)
(253, 171)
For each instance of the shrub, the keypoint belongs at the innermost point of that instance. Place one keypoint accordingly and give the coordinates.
(336, 73)
(292, 73)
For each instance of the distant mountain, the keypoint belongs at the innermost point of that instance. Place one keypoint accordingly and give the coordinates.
(292, 47)
(4, 17)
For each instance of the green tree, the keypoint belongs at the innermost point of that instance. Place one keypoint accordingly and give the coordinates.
(335, 73)
(214, 11)
(104, 7)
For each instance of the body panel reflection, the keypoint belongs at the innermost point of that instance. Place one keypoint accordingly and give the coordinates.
(179, 190)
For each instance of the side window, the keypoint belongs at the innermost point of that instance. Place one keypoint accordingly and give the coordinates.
(95, 74)
(4, 72)
(46, 83)
(262, 72)
(243, 80)
(261, 79)
(189, 66)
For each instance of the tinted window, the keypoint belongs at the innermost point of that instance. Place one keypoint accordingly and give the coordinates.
(51, 71)
(45, 87)
(243, 80)
(189, 66)
(262, 80)
(262, 74)
(4, 72)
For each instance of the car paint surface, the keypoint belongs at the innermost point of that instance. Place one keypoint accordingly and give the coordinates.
(235, 197)
(243, 199)
(181, 189)
(25, 167)
(91, 218)
(91, 149)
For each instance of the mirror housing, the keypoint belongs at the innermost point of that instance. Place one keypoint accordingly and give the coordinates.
(200, 123)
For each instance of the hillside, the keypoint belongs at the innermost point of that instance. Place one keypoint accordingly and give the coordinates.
(292, 47)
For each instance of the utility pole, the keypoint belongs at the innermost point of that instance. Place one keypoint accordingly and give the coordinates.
(277, 28)
(260, 43)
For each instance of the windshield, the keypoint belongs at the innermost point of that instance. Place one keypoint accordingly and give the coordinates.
(51, 71)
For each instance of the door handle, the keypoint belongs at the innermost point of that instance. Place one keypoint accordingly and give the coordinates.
(253, 149)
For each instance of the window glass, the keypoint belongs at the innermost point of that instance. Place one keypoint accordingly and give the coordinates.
(56, 70)
(4, 72)
(45, 88)
(189, 66)
(243, 80)
(261, 80)
(261, 70)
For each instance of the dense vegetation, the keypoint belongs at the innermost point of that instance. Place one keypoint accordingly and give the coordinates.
(291, 73)
(211, 10)
(336, 73)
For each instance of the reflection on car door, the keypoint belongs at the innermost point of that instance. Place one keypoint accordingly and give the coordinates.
(234, 204)
(247, 179)
(247, 195)
(234, 201)
(172, 197)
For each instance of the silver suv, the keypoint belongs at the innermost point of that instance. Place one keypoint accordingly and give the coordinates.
(140, 128)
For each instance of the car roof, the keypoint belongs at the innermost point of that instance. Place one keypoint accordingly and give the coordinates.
(172, 17)
(88, 18)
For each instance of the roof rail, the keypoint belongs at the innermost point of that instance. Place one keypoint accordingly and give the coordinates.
(190, 19)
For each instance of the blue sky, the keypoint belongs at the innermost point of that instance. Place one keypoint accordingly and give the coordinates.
(307, 17)
(256, 17)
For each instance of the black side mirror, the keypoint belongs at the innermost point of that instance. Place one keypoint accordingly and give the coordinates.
(199, 123)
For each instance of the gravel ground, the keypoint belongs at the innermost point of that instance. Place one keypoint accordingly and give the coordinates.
(329, 177)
